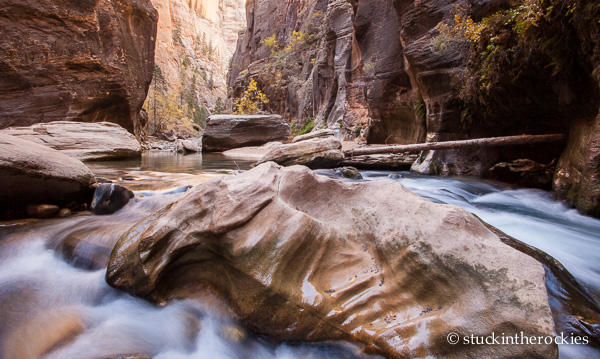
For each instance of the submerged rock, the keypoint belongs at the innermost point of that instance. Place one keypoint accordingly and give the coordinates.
(226, 132)
(109, 198)
(31, 174)
(42, 210)
(84, 141)
(349, 172)
(315, 153)
(524, 172)
(307, 258)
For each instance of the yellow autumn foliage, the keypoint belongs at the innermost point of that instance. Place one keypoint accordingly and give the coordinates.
(252, 101)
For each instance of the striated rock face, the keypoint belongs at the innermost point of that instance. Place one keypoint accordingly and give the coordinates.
(87, 61)
(577, 177)
(372, 69)
(226, 132)
(351, 74)
(195, 41)
(307, 258)
(84, 141)
(34, 174)
(378, 71)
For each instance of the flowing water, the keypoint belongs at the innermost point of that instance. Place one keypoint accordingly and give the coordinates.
(55, 303)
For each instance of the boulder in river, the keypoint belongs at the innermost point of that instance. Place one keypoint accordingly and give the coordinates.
(84, 141)
(192, 145)
(303, 257)
(524, 172)
(31, 174)
(315, 134)
(109, 198)
(226, 132)
(314, 153)
(349, 172)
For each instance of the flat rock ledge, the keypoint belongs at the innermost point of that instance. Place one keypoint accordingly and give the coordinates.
(226, 132)
(314, 134)
(303, 257)
(85, 141)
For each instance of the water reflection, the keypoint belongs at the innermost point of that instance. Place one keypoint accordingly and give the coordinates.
(170, 162)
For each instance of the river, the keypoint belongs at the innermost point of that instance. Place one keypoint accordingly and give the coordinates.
(55, 303)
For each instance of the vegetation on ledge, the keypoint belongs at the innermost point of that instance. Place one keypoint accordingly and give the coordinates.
(528, 54)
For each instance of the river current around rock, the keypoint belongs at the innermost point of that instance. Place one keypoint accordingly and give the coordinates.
(55, 302)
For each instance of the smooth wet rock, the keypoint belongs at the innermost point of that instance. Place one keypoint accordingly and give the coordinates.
(524, 172)
(31, 174)
(226, 132)
(42, 210)
(109, 198)
(315, 153)
(192, 145)
(349, 172)
(315, 134)
(303, 257)
(84, 141)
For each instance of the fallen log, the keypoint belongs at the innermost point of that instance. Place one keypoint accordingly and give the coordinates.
(393, 162)
(478, 142)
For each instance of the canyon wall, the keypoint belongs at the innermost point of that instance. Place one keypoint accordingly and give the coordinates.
(337, 63)
(577, 177)
(195, 42)
(368, 68)
(77, 60)
(383, 71)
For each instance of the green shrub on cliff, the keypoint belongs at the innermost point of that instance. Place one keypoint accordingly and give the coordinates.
(308, 127)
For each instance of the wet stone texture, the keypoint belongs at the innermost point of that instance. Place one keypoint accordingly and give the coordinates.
(306, 258)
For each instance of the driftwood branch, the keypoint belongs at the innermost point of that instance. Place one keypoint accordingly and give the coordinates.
(478, 142)
(398, 161)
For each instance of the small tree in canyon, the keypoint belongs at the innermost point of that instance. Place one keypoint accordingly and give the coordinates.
(252, 101)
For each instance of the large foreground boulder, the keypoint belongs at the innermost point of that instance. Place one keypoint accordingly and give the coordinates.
(307, 258)
(226, 132)
(89, 61)
(314, 153)
(84, 141)
(34, 174)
